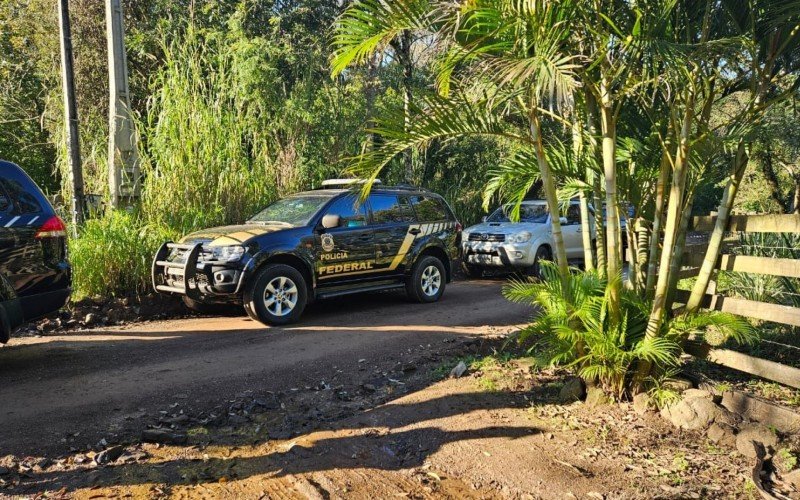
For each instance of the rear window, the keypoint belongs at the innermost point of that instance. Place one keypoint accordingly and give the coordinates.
(22, 193)
(389, 208)
(430, 209)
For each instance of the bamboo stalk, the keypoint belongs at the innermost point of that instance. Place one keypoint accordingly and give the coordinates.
(658, 217)
(718, 234)
(614, 261)
(551, 195)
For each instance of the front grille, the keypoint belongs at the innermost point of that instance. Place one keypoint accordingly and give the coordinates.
(493, 237)
(179, 256)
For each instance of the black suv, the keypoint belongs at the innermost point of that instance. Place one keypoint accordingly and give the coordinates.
(312, 245)
(35, 276)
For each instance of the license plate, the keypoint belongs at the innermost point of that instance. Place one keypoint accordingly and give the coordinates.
(481, 259)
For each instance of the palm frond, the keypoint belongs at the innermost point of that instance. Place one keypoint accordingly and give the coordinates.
(368, 26)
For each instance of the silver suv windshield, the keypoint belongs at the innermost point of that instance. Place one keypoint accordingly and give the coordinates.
(536, 214)
(292, 211)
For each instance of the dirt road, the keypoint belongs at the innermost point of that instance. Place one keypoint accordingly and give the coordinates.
(69, 391)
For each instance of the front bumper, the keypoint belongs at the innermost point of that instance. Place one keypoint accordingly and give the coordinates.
(190, 276)
(496, 254)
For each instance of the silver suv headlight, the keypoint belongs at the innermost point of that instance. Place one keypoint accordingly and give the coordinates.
(522, 237)
(229, 253)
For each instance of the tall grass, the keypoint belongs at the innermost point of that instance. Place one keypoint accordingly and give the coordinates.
(208, 156)
(113, 255)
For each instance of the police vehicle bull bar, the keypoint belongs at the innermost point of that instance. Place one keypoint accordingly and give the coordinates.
(187, 270)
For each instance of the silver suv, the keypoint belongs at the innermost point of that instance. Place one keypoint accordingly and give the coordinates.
(519, 246)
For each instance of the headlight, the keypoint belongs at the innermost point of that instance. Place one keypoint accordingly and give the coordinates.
(522, 237)
(230, 253)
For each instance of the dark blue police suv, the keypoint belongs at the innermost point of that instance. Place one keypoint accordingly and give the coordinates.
(314, 245)
(35, 276)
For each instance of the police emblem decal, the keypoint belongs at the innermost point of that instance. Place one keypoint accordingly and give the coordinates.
(327, 242)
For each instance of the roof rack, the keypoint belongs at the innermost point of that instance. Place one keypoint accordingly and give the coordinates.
(407, 187)
(333, 183)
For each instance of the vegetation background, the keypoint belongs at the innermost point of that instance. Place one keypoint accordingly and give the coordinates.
(235, 106)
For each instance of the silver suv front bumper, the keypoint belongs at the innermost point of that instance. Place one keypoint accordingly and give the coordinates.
(497, 254)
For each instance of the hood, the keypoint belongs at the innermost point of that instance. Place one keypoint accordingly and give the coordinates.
(506, 227)
(231, 235)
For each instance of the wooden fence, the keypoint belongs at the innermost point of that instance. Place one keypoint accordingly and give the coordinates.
(770, 370)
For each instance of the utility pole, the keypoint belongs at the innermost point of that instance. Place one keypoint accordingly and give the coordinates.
(123, 160)
(71, 116)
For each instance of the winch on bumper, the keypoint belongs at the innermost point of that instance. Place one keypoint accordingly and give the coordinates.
(493, 250)
(185, 269)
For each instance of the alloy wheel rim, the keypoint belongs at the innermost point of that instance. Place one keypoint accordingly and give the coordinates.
(431, 281)
(280, 296)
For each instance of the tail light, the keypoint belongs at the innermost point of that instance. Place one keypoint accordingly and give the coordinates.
(54, 227)
(459, 227)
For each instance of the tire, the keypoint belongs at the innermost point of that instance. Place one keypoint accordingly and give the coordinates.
(260, 299)
(427, 281)
(542, 253)
(473, 271)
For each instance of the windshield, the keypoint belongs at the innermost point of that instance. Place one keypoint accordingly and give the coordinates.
(536, 214)
(294, 211)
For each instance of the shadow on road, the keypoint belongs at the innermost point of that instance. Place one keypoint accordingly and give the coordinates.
(391, 437)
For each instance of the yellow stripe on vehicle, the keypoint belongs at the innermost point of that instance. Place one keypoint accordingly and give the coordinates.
(404, 247)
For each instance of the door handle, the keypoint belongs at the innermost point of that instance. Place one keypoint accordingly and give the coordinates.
(365, 237)
(415, 231)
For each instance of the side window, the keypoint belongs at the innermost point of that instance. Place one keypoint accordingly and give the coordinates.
(350, 214)
(389, 208)
(430, 209)
(574, 214)
(26, 202)
(5, 202)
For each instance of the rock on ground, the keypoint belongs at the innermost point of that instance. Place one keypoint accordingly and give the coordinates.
(595, 396)
(722, 434)
(458, 370)
(696, 410)
(755, 433)
(573, 390)
(642, 403)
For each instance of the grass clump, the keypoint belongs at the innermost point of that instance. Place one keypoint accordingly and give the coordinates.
(113, 255)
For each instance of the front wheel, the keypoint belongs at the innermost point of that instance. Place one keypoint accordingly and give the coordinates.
(542, 253)
(276, 295)
(427, 280)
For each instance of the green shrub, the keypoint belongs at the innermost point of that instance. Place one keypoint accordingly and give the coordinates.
(575, 328)
(113, 254)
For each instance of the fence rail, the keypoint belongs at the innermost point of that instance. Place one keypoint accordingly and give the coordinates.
(787, 315)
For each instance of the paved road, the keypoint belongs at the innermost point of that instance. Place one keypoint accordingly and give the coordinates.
(96, 382)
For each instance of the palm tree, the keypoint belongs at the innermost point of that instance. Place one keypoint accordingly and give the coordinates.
(773, 32)
(503, 72)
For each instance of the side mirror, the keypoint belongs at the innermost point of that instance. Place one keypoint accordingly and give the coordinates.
(330, 221)
(563, 221)
(484, 218)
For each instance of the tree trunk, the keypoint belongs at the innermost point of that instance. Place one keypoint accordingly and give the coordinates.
(614, 262)
(759, 92)
(671, 233)
(586, 229)
(677, 257)
(592, 125)
(408, 73)
(796, 198)
(658, 217)
(717, 235)
(643, 238)
(551, 195)
(586, 233)
(674, 216)
(772, 179)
